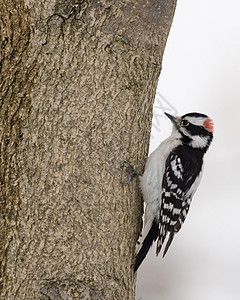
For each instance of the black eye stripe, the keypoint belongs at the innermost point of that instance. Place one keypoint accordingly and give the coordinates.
(196, 130)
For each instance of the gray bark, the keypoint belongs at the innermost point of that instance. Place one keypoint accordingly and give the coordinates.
(78, 80)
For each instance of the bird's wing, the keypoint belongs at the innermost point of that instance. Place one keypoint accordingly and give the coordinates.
(180, 181)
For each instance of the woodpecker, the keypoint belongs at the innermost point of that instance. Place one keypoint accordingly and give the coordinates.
(171, 176)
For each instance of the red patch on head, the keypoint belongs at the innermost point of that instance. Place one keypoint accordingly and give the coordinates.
(208, 124)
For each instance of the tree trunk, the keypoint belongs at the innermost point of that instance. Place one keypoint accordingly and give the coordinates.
(78, 80)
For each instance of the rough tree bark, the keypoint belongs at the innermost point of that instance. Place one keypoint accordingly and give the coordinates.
(78, 80)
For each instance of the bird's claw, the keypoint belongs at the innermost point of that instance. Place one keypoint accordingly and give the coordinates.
(132, 172)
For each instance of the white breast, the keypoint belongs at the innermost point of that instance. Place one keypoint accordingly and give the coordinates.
(151, 181)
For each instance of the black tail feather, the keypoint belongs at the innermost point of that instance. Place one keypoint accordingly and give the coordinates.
(147, 243)
(170, 239)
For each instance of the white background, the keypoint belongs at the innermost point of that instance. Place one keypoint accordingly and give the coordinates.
(201, 72)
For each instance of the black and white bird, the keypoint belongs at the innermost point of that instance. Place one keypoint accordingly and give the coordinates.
(172, 174)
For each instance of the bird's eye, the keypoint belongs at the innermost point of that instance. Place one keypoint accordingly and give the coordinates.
(184, 123)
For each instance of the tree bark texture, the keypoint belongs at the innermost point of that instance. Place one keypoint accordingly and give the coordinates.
(78, 80)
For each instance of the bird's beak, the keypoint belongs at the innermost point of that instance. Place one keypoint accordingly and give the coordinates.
(172, 118)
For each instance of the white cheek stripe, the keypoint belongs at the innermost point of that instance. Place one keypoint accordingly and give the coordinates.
(199, 141)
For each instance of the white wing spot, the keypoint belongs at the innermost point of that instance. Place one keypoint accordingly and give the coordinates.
(177, 167)
(179, 191)
(167, 194)
(176, 211)
(173, 222)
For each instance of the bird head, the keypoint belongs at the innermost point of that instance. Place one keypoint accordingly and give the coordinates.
(195, 129)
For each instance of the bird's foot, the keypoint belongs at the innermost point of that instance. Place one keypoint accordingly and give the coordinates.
(131, 171)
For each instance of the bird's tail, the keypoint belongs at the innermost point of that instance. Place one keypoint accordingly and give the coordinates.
(150, 234)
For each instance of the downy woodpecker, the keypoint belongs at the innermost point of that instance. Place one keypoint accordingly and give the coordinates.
(171, 176)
